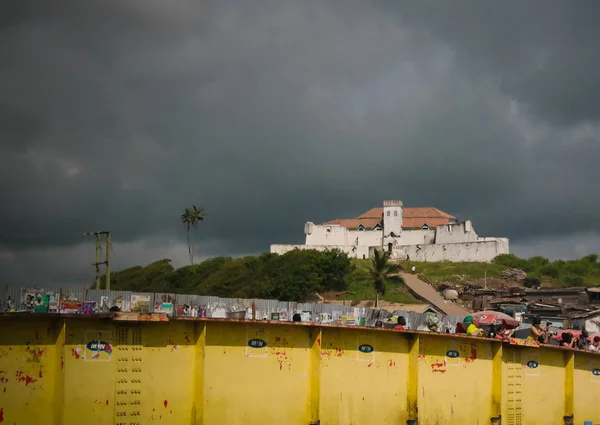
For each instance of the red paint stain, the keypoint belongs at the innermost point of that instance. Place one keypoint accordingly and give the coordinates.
(370, 364)
(166, 403)
(3, 378)
(392, 363)
(27, 379)
(280, 365)
(107, 402)
(319, 341)
(62, 362)
(339, 352)
(1, 414)
(277, 339)
(40, 373)
(170, 411)
(75, 353)
(4, 389)
(437, 367)
(473, 352)
(421, 356)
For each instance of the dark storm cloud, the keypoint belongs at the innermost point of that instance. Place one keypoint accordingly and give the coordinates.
(117, 114)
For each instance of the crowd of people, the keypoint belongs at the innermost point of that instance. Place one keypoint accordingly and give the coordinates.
(538, 332)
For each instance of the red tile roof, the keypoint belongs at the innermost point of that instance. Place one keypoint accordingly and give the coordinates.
(412, 218)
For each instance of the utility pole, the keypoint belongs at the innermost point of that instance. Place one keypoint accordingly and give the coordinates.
(98, 262)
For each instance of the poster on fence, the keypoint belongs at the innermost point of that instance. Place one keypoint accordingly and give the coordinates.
(89, 307)
(168, 308)
(68, 306)
(140, 303)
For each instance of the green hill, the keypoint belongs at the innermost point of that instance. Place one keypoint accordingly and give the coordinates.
(299, 274)
(582, 272)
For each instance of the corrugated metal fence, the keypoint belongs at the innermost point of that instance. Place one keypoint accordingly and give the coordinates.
(216, 307)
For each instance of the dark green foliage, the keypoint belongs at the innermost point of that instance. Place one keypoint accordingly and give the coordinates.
(295, 276)
(382, 270)
(582, 272)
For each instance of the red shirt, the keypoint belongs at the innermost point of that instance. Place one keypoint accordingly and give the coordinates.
(399, 327)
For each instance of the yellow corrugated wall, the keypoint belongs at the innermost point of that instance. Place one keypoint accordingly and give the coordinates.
(218, 372)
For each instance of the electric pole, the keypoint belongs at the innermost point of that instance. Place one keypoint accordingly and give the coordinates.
(98, 262)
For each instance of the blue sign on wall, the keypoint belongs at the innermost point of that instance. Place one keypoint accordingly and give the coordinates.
(257, 343)
(366, 348)
(452, 354)
(532, 364)
(596, 372)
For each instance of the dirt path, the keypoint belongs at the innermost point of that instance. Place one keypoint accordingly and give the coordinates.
(428, 293)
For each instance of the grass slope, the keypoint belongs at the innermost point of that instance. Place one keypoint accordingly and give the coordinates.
(360, 287)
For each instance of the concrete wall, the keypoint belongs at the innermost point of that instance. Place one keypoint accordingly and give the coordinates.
(455, 233)
(244, 372)
(338, 235)
(416, 237)
(457, 252)
(352, 251)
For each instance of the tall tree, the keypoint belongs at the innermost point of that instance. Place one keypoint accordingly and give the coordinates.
(382, 270)
(190, 218)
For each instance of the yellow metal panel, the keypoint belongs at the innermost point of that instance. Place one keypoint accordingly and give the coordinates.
(412, 396)
(587, 388)
(535, 385)
(569, 367)
(198, 398)
(247, 384)
(496, 379)
(315, 373)
(361, 387)
(67, 371)
(454, 389)
(27, 375)
(89, 375)
(168, 352)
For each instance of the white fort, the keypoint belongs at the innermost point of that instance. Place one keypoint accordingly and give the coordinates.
(415, 234)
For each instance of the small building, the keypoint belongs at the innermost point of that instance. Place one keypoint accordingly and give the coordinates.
(594, 294)
(589, 321)
(557, 296)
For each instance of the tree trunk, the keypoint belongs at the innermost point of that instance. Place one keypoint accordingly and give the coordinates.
(190, 247)
(376, 299)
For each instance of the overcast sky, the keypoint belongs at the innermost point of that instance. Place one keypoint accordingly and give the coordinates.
(117, 114)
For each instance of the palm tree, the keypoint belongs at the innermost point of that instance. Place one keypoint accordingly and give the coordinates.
(381, 271)
(190, 218)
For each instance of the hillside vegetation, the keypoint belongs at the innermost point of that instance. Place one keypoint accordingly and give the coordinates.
(582, 272)
(300, 274)
(295, 276)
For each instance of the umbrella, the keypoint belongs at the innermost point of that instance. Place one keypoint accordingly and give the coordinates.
(559, 334)
(592, 336)
(495, 318)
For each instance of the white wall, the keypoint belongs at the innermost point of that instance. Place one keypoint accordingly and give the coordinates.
(338, 235)
(332, 234)
(456, 233)
(416, 237)
(353, 252)
(457, 252)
